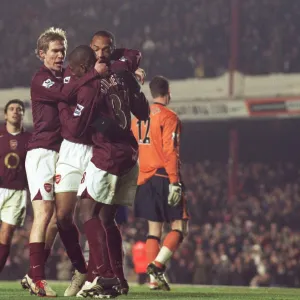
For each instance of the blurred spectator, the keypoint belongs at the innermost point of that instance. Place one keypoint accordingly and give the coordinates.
(179, 39)
(255, 241)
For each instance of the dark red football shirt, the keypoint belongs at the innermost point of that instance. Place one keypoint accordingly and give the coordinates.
(126, 59)
(123, 59)
(105, 106)
(67, 109)
(46, 92)
(12, 159)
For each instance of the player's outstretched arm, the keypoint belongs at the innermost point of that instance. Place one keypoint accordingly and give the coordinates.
(44, 89)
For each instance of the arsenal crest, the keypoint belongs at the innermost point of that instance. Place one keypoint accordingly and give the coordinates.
(48, 187)
(57, 178)
(13, 144)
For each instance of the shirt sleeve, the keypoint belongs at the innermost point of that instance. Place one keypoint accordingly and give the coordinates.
(130, 57)
(78, 121)
(140, 106)
(171, 140)
(45, 89)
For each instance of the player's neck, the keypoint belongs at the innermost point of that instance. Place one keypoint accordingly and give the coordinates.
(160, 100)
(56, 73)
(13, 129)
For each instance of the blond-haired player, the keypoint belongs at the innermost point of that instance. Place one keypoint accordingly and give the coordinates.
(46, 92)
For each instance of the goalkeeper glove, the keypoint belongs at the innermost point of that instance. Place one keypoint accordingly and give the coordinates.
(175, 193)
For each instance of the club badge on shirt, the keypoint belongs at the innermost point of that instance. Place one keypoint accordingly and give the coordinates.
(48, 83)
(77, 112)
(13, 144)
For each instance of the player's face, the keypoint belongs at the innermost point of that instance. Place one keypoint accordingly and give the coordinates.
(79, 70)
(14, 114)
(103, 47)
(54, 57)
(82, 69)
(76, 71)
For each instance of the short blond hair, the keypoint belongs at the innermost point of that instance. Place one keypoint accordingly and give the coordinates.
(49, 35)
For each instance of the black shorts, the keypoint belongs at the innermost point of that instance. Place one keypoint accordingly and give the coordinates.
(122, 215)
(151, 202)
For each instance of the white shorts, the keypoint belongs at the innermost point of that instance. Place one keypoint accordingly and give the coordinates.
(13, 206)
(72, 162)
(109, 189)
(40, 169)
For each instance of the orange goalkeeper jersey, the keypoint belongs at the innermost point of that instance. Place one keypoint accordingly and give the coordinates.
(158, 140)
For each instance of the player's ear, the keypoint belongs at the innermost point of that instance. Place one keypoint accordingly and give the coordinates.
(83, 68)
(42, 54)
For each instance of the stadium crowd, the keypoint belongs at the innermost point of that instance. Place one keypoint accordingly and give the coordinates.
(180, 39)
(253, 240)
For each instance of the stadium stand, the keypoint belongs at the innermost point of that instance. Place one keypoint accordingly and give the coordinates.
(255, 239)
(179, 39)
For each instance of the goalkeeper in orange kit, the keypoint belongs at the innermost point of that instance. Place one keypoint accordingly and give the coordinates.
(159, 197)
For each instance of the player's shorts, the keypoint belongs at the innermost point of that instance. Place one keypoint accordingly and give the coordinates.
(107, 188)
(72, 162)
(151, 202)
(40, 169)
(13, 206)
(122, 215)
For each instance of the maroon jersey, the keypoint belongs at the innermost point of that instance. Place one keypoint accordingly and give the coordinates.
(66, 110)
(105, 106)
(123, 59)
(12, 159)
(46, 92)
(128, 59)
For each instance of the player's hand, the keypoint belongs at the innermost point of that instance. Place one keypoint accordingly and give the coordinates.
(140, 75)
(175, 193)
(101, 68)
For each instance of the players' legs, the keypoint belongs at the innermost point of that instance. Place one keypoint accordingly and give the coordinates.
(153, 240)
(170, 245)
(171, 242)
(12, 215)
(113, 239)
(40, 169)
(42, 211)
(65, 204)
(105, 269)
(89, 214)
(65, 208)
(153, 246)
(51, 234)
(6, 235)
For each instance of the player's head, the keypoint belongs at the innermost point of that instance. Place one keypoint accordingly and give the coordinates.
(51, 48)
(14, 112)
(160, 89)
(81, 60)
(103, 43)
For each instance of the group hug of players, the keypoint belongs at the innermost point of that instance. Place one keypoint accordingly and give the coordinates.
(85, 146)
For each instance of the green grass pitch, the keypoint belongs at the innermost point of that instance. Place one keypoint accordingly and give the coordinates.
(12, 291)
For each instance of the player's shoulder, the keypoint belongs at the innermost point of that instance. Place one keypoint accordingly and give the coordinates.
(3, 131)
(67, 75)
(163, 111)
(44, 77)
(89, 89)
(26, 134)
